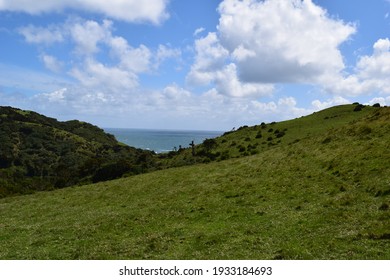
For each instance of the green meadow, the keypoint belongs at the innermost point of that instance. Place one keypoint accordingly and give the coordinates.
(317, 187)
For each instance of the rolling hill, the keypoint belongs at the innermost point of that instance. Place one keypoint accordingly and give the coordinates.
(316, 187)
(41, 153)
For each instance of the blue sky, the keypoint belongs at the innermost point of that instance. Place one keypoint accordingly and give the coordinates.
(193, 64)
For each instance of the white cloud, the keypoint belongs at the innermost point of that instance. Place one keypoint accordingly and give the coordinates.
(211, 67)
(88, 34)
(91, 41)
(210, 56)
(261, 43)
(371, 74)
(378, 65)
(51, 63)
(228, 83)
(136, 60)
(41, 35)
(383, 101)
(96, 75)
(337, 100)
(153, 11)
(198, 31)
(277, 41)
(165, 53)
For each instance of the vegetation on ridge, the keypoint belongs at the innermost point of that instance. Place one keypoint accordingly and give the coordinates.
(322, 192)
(41, 153)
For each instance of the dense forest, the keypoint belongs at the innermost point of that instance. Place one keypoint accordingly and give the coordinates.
(41, 153)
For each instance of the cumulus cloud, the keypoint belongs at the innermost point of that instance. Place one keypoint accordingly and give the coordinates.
(378, 65)
(42, 35)
(383, 101)
(211, 66)
(210, 57)
(277, 41)
(96, 75)
(165, 53)
(371, 74)
(337, 100)
(261, 43)
(87, 34)
(92, 40)
(153, 11)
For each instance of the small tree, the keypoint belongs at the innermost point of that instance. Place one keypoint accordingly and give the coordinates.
(209, 144)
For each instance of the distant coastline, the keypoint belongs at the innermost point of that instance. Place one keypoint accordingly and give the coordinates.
(160, 140)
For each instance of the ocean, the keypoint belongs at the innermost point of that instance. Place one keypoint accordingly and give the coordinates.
(160, 141)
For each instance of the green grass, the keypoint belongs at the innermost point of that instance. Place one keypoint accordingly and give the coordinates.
(326, 196)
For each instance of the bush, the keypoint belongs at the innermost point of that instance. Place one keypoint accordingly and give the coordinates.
(358, 108)
(259, 135)
(376, 105)
(280, 134)
(111, 171)
(209, 144)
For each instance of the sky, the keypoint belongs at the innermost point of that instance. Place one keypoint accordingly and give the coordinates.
(192, 64)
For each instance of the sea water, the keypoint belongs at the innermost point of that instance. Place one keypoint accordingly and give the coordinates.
(160, 141)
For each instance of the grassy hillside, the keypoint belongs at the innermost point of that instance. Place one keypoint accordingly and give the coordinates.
(322, 192)
(256, 139)
(41, 153)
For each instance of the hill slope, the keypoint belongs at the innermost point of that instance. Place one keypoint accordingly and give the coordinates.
(40, 153)
(326, 196)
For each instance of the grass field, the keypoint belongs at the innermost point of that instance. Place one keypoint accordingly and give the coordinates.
(321, 192)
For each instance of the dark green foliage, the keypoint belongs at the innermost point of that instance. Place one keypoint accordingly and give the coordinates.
(376, 105)
(111, 171)
(241, 149)
(279, 134)
(384, 207)
(358, 108)
(40, 153)
(242, 127)
(209, 144)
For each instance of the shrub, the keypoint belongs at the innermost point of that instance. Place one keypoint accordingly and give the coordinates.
(384, 207)
(242, 127)
(376, 105)
(242, 149)
(225, 155)
(209, 144)
(280, 134)
(326, 140)
(358, 108)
